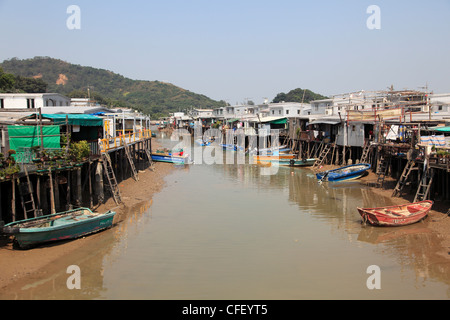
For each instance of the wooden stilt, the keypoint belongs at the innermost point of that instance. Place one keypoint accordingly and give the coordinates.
(13, 200)
(90, 185)
(52, 194)
(79, 195)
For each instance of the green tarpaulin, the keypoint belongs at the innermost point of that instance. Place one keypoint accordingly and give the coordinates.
(442, 129)
(21, 137)
(279, 121)
(75, 119)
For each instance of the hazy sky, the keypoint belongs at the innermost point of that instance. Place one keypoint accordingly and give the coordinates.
(232, 50)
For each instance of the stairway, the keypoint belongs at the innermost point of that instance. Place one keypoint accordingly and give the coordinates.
(111, 177)
(424, 186)
(404, 177)
(326, 149)
(365, 154)
(382, 169)
(27, 197)
(130, 160)
(149, 157)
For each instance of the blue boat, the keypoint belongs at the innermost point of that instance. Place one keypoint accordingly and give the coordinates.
(351, 172)
(66, 225)
(232, 147)
(170, 158)
(203, 143)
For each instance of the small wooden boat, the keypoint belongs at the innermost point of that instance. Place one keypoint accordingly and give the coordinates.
(203, 143)
(296, 162)
(351, 172)
(169, 157)
(273, 150)
(281, 156)
(61, 226)
(396, 215)
(232, 147)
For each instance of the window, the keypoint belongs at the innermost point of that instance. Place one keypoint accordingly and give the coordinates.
(30, 103)
(439, 108)
(2, 104)
(298, 111)
(287, 111)
(273, 111)
(279, 111)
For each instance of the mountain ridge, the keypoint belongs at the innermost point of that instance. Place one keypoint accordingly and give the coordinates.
(107, 87)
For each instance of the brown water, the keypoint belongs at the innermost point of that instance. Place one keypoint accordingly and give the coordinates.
(227, 232)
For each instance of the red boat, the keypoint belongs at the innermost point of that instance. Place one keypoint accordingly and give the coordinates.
(396, 215)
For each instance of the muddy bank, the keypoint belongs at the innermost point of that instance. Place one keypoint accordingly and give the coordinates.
(17, 264)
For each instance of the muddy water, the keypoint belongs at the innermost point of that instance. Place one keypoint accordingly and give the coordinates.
(228, 232)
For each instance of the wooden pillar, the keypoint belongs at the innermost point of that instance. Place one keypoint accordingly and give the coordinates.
(90, 185)
(38, 192)
(99, 183)
(68, 198)
(52, 194)
(56, 190)
(13, 200)
(79, 200)
(1, 215)
(43, 197)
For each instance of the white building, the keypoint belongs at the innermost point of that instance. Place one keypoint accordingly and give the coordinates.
(32, 100)
(202, 113)
(287, 109)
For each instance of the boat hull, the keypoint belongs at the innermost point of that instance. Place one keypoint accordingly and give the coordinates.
(60, 226)
(274, 158)
(296, 162)
(202, 143)
(169, 158)
(232, 147)
(346, 173)
(393, 216)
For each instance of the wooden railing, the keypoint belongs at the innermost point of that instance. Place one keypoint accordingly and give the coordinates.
(119, 141)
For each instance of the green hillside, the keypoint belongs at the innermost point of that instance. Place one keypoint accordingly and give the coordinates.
(298, 95)
(151, 97)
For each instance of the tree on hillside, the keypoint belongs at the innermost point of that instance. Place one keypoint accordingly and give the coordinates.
(7, 81)
(298, 95)
(30, 85)
(10, 83)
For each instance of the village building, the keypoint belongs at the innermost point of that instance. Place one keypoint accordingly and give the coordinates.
(32, 100)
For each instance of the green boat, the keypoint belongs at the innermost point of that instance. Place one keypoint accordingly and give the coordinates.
(66, 225)
(296, 162)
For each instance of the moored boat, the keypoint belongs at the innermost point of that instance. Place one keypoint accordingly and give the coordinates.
(400, 215)
(281, 156)
(203, 143)
(232, 147)
(351, 172)
(170, 158)
(66, 225)
(296, 162)
(273, 150)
